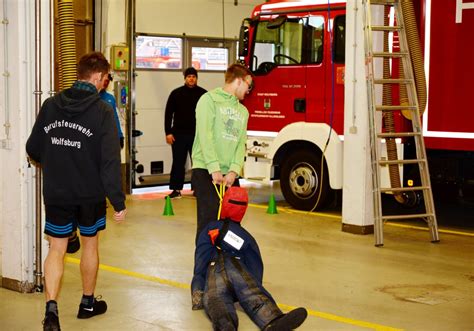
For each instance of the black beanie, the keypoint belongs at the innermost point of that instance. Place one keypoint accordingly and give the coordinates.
(190, 71)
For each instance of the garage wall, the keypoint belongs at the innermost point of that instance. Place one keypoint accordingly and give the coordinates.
(201, 18)
(17, 113)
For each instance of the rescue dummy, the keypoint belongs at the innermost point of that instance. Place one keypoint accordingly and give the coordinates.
(228, 268)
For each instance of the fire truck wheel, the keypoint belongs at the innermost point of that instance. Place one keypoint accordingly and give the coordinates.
(301, 180)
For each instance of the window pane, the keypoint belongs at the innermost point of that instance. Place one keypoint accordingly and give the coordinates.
(282, 45)
(159, 53)
(316, 28)
(340, 39)
(210, 58)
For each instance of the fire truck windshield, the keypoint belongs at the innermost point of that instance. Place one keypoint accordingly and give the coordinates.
(292, 41)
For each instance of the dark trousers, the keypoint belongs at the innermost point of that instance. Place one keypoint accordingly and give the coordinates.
(207, 199)
(228, 281)
(181, 147)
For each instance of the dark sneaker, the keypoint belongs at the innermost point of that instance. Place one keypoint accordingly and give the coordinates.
(175, 194)
(73, 243)
(99, 307)
(51, 322)
(289, 321)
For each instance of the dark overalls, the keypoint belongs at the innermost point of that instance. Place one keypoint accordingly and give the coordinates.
(232, 275)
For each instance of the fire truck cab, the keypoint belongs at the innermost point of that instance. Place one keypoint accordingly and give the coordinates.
(296, 52)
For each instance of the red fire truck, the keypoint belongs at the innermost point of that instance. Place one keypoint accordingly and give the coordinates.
(296, 49)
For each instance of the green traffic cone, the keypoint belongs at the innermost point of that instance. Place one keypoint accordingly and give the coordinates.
(272, 207)
(168, 211)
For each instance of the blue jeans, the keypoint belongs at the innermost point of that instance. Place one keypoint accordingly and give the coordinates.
(229, 281)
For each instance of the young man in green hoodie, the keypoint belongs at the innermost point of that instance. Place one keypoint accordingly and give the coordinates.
(219, 143)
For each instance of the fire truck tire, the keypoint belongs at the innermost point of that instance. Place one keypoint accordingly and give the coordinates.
(301, 180)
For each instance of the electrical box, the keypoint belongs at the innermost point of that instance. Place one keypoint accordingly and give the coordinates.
(119, 57)
(121, 93)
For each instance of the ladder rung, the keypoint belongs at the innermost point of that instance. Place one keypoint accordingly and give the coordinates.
(398, 134)
(403, 189)
(410, 161)
(389, 54)
(394, 107)
(386, 28)
(399, 217)
(393, 81)
(382, 2)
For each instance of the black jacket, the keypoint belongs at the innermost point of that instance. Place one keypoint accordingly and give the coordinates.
(180, 113)
(74, 139)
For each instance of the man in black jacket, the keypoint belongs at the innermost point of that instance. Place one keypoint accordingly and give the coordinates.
(228, 268)
(74, 140)
(180, 126)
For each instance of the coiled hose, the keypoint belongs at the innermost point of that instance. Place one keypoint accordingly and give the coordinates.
(416, 55)
(67, 44)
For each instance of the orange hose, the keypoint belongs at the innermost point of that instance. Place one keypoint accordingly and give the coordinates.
(416, 55)
(67, 44)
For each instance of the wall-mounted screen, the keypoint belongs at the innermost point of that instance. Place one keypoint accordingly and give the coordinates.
(210, 58)
(154, 52)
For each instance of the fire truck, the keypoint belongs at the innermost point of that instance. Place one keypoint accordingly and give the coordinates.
(296, 50)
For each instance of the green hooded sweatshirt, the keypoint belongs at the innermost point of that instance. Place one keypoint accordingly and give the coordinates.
(221, 132)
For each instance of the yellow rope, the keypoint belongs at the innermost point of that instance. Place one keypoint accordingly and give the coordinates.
(220, 193)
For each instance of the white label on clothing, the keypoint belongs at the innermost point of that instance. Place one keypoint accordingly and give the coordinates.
(233, 240)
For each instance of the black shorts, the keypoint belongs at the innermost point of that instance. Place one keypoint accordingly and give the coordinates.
(62, 221)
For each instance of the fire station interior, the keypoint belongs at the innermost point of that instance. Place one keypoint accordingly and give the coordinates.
(346, 274)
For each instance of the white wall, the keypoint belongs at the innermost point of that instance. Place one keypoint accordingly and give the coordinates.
(192, 17)
(17, 100)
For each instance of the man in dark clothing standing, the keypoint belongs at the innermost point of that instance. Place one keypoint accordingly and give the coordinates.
(228, 267)
(180, 126)
(74, 140)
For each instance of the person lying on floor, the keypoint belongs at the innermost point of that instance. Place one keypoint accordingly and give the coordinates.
(228, 268)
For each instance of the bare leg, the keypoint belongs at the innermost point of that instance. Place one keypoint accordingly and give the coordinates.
(89, 263)
(54, 267)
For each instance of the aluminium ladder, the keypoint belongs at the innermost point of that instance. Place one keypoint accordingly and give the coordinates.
(375, 82)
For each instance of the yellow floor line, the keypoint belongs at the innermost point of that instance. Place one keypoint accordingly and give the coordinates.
(461, 233)
(344, 320)
(338, 217)
(327, 316)
(295, 211)
(134, 274)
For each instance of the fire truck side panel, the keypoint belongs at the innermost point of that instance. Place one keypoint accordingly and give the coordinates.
(325, 81)
(449, 51)
(273, 96)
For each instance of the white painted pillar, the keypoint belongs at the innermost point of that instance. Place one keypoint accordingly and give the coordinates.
(17, 65)
(357, 202)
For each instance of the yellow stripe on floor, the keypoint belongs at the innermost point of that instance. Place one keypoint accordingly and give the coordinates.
(338, 217)
(327, 316)
(133, 274)
(344, 320)
(295, 211)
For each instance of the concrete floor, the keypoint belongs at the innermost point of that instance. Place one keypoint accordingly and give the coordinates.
(342, 279)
